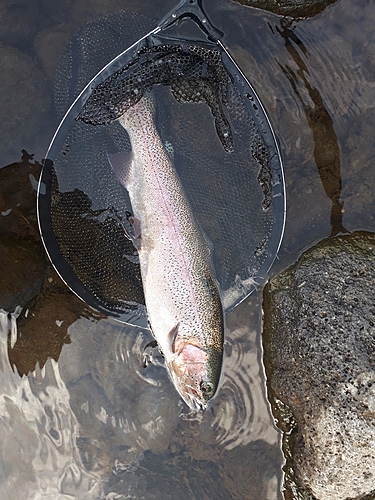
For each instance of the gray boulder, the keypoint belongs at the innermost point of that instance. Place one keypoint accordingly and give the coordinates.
(292, 8)
(319, 352)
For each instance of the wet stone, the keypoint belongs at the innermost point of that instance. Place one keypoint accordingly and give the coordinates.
(29, 287)
(292, 8)
(21, 251)
(319, 351)
(18, 22)
(24, 103)
(49, 45)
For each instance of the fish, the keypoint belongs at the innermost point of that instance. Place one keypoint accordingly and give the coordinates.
(182, 295)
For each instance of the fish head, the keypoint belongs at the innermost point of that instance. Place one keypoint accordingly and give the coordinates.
(195, 373)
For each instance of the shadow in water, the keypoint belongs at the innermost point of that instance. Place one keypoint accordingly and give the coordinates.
(29, 288)
(326, 147)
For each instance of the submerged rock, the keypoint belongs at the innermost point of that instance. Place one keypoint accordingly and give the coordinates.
(292, 8)
(24, 104)
(319, 351)
(27, 282)
(18, 23)
(22, 257)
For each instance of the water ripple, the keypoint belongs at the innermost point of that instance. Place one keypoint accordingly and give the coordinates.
(38, 432)
(115, 395)
(242, 414)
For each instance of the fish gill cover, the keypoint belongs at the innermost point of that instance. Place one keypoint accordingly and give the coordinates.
(216, 131)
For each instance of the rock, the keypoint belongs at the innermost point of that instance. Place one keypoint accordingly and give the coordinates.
(181, 476)
(87, 10)
(23, 277)
(18, 22)
(292, 8)
(49, 45)
(18, 183)
(27, 281)
(319, 352)
(43, 324)
(24, 103)
(21, 252)
(56, 11)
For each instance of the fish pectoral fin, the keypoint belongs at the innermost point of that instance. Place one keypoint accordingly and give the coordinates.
(147, 353)
(171, 336)
(120, 163)
(177, 343)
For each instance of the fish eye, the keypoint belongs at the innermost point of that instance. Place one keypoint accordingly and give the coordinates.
(206, 388)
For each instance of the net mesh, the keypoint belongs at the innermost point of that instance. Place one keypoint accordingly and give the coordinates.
(219, 149)
(194, 74)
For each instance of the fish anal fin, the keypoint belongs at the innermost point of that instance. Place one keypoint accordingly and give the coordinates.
(120, 164)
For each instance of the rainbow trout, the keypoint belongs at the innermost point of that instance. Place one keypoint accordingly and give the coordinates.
(181, 294)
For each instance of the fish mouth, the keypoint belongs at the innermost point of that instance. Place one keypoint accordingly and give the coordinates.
(188, 393)
(188, 370)
(193, 402)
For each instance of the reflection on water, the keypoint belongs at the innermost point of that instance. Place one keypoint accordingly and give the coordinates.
(331, 57)
(326, 147)
(240, 412)
(39, 454)
(140, 414)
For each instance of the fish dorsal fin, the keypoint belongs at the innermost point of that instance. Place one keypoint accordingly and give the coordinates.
(120, 164)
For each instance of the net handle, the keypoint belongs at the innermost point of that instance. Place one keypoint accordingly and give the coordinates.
(194, 10)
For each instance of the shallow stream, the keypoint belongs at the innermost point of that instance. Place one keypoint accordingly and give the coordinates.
(80, 416)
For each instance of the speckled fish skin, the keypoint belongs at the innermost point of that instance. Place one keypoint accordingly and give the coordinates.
(182, 298)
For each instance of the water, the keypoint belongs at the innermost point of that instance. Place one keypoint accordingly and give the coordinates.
(80, 416)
